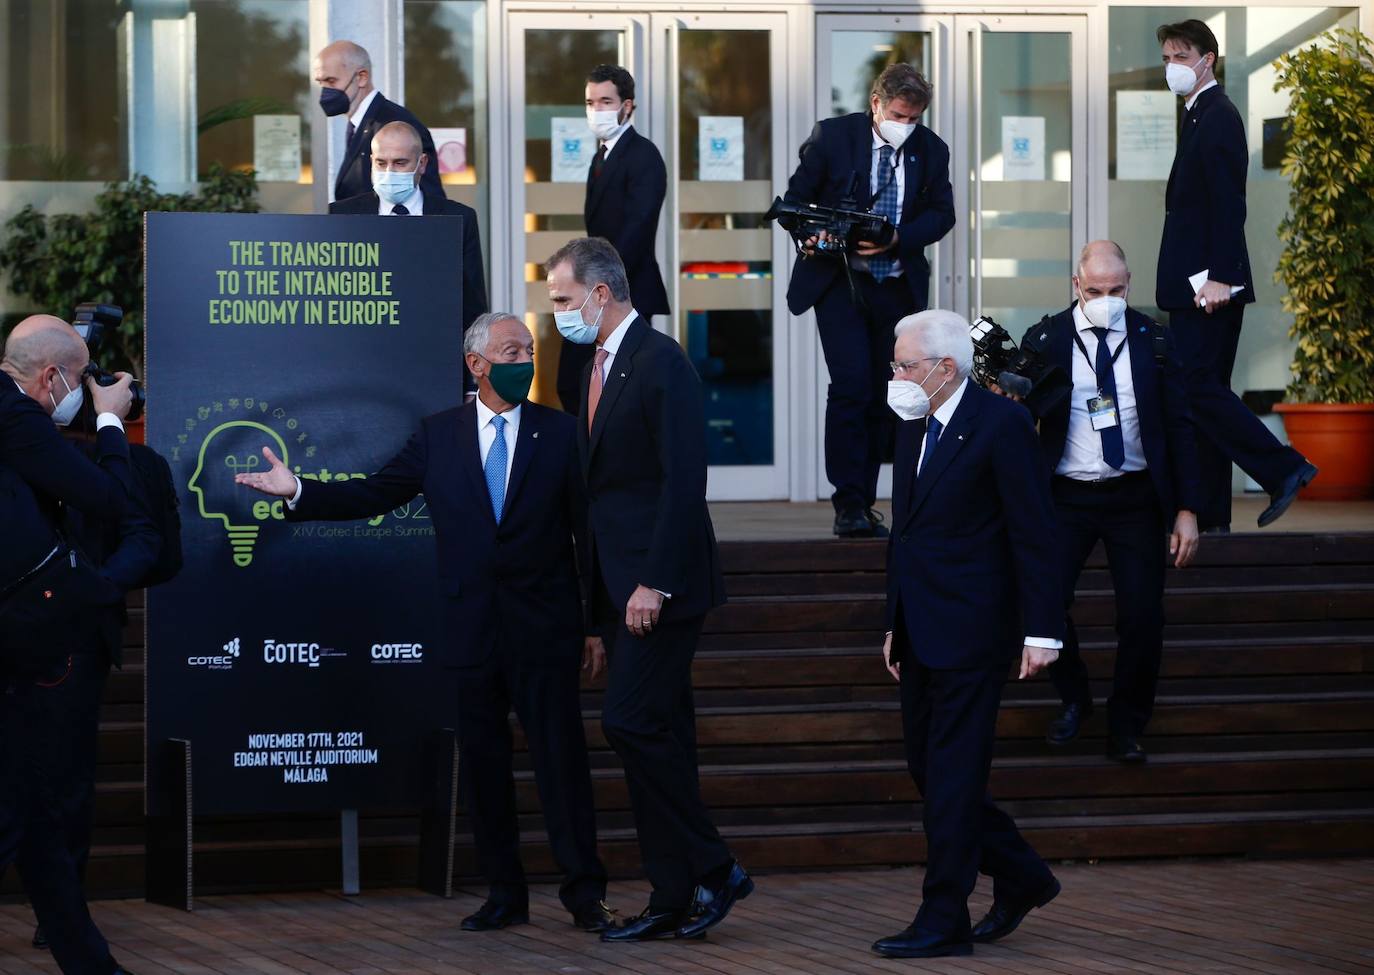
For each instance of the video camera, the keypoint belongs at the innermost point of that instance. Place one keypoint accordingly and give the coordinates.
(93, 323)
(1024, 372)
(844, 226)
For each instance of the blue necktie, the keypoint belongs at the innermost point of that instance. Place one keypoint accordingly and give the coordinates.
(496, 468)
(1113, 447)
(933, 428)
(886, 204)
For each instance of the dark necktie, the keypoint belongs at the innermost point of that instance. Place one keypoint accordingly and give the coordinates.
(1113, 448)
(400, 210)
(933, 429)
(351, 130)
(599, 162)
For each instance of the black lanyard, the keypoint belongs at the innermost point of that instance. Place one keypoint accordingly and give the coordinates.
(1078, 340)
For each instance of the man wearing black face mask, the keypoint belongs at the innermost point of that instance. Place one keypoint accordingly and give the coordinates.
(343, 70)
(503, 482)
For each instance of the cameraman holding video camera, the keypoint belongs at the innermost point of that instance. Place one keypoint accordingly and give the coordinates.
(48, 592)
(885, 161)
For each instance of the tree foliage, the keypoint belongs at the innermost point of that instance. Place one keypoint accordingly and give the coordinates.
(1328, 234)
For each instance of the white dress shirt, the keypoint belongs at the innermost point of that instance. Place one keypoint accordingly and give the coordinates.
(1082, 459)
(415, 203)
(877, 179)
(612, 344)
(356, 116)
(944, 413)
(1188, 105)
(486, 433)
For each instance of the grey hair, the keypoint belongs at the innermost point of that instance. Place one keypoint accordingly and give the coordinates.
(478, 334)
(594, 261)
(901, 80)
(944, 334)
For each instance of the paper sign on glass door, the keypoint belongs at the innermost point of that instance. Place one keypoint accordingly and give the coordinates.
(451, 146)
(720, 147)
(1023, 147)
(277, 148)
(572, 146)
(1146, 134)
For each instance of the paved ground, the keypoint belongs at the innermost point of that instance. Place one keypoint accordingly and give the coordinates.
(1271, 917)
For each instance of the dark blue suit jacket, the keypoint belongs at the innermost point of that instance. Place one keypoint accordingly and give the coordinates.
(841, 149)
(1204, 205)
(644, 460)
(622, 205)
(973, 562)
(39, 469)
(511, 587)
(355, 172)
(1166, 426)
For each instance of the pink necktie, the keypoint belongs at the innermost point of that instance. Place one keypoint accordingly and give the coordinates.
(594, 390)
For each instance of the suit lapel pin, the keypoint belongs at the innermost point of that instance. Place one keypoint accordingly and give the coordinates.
(535, 435)
(961, 436)
(622, 375)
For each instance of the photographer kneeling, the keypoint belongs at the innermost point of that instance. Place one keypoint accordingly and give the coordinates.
(885, 161)
(48, 592)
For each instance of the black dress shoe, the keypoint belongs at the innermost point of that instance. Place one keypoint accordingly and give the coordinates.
(40, 940)
(492, 916)
(1286, 492)
(593, 916)
(915, 943)
(875, 518)
(648, 926)
(1006, 917)
(1064, 728)
(1126, 750)
(854, 523)
(711, 906)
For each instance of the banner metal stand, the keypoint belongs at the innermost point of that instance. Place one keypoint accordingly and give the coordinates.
(438, 820)
(167, 842)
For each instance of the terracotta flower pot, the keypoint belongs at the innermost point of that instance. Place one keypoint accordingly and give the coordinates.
(1339, 439)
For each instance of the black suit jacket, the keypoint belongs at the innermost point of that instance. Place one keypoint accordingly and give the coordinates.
(1204, 204)
(355, 173)
(1166, 426)
(474, 274)
(973, 561)
(511, 587)
(836, 159)
(39, 470)
(623, 205)
(644, 462)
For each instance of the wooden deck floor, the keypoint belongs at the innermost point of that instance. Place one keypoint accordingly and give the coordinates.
(1273, 917)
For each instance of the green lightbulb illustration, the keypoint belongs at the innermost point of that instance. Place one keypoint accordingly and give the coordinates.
(242, 538)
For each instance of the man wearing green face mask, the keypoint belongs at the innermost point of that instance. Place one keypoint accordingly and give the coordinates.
(503, 483)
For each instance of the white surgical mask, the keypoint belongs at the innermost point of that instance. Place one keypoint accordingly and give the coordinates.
(64, 412)
(909, 400)
(1101, 312)
(1182, 77)
(393, 186)
(573, 327)
(895, 133)
(605, 125)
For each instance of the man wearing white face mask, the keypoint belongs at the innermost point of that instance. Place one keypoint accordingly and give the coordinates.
(626, 185)
(886, 161)
(1123, 455)
(1204, 281)
(399, 163)
(971, 587)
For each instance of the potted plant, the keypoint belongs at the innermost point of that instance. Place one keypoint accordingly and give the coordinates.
(62, 260)
(1328, 260)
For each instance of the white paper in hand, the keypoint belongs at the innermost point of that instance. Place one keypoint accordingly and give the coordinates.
(1199, 279)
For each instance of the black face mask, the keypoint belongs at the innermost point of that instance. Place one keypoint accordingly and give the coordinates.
(335, 101)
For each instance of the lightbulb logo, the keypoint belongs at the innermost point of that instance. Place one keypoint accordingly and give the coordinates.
(232, 448)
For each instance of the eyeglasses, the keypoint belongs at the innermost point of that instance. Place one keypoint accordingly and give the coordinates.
(912, 363)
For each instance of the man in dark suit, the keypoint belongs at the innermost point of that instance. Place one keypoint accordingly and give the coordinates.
(886, 161)
(502, 479)
(39, 716)
(398, 189)
(972, 584)
(626, 184)
(1204, 242)
(343, 70)
(1124, 460)
(656, 572)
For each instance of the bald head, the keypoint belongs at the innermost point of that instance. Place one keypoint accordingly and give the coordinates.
(1102, 271)
(396, 148)
(350, 57)
(41, 341)
(346, 66)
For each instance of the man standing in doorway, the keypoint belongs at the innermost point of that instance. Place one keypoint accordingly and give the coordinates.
(1204, 282)
(343, 70)
(883, 160)
(626, 185)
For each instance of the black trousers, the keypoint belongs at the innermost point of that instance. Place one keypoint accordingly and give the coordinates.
(1227, 430)
(545, 699)
(858, 345)
(650, 720)
(1124, 514)
(949, 720)
(43, 731)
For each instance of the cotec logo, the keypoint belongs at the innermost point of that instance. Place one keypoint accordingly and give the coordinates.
(305, 654)
(398, 653)
(220, 661)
